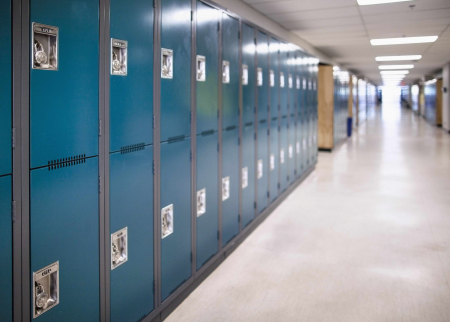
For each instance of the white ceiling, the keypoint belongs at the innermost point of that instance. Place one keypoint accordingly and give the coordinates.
(342, 30)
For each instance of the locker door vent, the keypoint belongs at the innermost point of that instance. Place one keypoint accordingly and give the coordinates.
(176, 138)
(209, 132)
(132, 148)
(262, 121)
(248, 124)
(66, 162)
(229, 128)
(274, 118)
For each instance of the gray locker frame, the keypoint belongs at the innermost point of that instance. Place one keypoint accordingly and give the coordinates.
(21, 145)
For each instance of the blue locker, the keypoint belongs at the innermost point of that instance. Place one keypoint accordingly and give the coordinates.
(262, 166)
(284, 153)
(176, 91)
(207, 185)
(284, 80)
(5, 88)
(131, 206)
(5, 250)
(131, 96)
(263, 75)
(274, 70)
(208, 46)
(248, 60)
(176, 191)
(273, 159)
(230, 54)
(64, 225)
(64, 103)
(291, 150)
(248, 163)
(230, 170)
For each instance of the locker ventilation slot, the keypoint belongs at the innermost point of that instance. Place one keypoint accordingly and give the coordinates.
(249, 124)
(229, 128)
(284, 116)
(262, 121)
(274, 118)
(204, 133)
(132, 148)
(176, 138)
(66, 162)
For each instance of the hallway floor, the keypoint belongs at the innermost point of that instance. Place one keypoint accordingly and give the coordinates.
(365, 238)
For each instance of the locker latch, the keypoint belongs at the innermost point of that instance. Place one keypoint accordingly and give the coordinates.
(166, 221)
(119, 248)
(281, 79)
(291, 152)
(260, 77)
(244, 177)
(45, 289)
(119, 57)
(290, 81)
(272, 78)
(225, 188)
(244, 75)
(201, 68)
(260, 169)
(201, 202)
(225, 72)
(282, 156)
(45, 47)
(166, 63)
(272, 162)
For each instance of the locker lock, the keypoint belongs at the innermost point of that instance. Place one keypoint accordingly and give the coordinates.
(201, 68)
(290, 81)
(201, 202)
(225, 72)
(244, 177)
(166, 63)
(282, 156)
(260, 169)
(291, 152)
(119, 57)
(45, 289)
(272, 162)
(281, 79)
(225, 188)
(119, 248)
(260, 76)
(297, 146)
(272, 78)
(297, 82)
(166, 221)
(244, 75)
(45, 47)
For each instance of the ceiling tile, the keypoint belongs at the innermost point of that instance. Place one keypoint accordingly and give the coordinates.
(316, 14)
(419, 5)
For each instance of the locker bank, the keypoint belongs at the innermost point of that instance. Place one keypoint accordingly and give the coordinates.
(141, 142)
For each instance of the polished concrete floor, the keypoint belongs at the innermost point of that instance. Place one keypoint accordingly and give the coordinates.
(365, 238)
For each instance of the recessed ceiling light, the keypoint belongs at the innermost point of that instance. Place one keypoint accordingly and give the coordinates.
(397, 58)
(394, 72)
(402, 40)
(370, 2)
(395, 66)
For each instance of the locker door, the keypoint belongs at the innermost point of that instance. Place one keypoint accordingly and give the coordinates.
(304, 117)
(5, 250)
(207, 197)
(248, 174)
(64, 102)
(131, 94)
(5, 88)
(291, 149)
(283, 153)
(131, 207)
(175, 215)
(175, 69)
(263, 76)
(64, 228)
(262, 166)
(248, 71)
(207, 80)
(283, 78)
(230, 81)
(274, 80)
(230, 185)
(273, 159)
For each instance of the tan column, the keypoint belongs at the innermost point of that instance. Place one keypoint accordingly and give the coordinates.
(439, 102)
(325, 107)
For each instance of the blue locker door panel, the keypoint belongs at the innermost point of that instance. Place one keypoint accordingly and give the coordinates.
(207, 46)
(5, 88)
(176, 92)
(248, 59)
(305, 142)
(176, 191)
(291, 156)
(65, 227)
(5, 250)
(274, 173)
(131, 206)
(64, 103)
(248, 161)
(298, 146)
(230, 53)
(131, 102)
(263, 155)
(230, 168)
(207, 178)
(274, 66)
(284, 95)
(263, 94)
(284, 150)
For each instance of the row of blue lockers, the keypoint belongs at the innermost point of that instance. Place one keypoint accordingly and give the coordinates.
(210, 117)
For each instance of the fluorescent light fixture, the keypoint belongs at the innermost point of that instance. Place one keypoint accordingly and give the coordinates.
(395, 66)
(402, 40)
(394, 72)
(431, 81)
(397, 58)
(370, 2)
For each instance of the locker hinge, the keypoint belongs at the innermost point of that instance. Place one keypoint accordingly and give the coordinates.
(13, 211)
(279, 185)
(100, 184)
(239, 218)
(13, 138)
(218, 235)
(99, 127)
(153, 167)
(254, 205)
(153, 120)
(192, 257)
(192, 15)
(279, 106)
